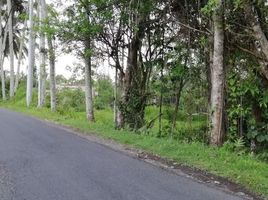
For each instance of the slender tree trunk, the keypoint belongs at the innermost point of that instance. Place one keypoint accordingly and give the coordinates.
(217, 79)
(2, 56)
(178, 97)
(31, 56)
(17, 78)
(179, 90)
(42, 67)
(257, 114)
(161, 102)
(11, 47)
(120, 92)
(120, 116)
(52, 75)
(88, 84)
(128, 73)
(116, 98)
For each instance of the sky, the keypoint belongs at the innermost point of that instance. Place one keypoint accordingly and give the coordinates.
(62, 62)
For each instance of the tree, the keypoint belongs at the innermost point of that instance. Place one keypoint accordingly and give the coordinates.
(88, 81)
(218, 78)
(31, 55)
(43, 55)
(52, 74)
(20, 55)
(113, 38)
(83, 26)
(11, 46)
(257, 30)
(2, 50)
(49, 28)
(145, 24)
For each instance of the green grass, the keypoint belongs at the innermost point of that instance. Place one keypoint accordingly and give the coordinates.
(243, 169)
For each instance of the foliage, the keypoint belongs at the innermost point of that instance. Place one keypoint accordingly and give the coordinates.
(70, 101)
(104, 92)
(246, 106)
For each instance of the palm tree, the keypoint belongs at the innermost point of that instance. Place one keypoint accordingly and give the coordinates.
(42, 68)
(3, 32)
(11, 42)
(11, 46)
(30, 56)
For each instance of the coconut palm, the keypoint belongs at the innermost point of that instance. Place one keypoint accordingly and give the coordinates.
(10, 32)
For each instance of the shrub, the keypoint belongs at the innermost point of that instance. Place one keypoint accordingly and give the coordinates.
(70, 100)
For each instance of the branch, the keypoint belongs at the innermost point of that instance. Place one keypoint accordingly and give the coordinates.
(251, 53)
(194, 29)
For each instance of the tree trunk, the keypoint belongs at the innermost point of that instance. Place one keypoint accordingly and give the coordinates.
(11, 47)
(161, 98)
(258, 33)
(120, 116)
(134, 94)
(22, 39)
(116, 98)
(2, 56)
(257, 114)
(119, 89)
(179, 90)
(31, 56)
(178, 97)
(42, 67)
(88, 83)
(209, 64)
(217, 79)
(52, 75)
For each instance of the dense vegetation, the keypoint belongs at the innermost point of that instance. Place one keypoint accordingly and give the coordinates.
(192, 72)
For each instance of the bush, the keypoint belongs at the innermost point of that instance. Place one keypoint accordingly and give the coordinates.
(70, 100)
(104, 93)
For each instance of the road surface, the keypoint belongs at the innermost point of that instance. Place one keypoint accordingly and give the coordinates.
(42, 162)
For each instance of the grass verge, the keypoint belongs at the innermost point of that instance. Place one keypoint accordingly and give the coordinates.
(242, 169)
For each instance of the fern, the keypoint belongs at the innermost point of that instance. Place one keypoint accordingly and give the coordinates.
(239, 145)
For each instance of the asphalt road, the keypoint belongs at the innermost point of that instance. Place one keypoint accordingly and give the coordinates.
(42, 162)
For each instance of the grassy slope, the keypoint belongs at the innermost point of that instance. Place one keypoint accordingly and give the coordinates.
(242, 169)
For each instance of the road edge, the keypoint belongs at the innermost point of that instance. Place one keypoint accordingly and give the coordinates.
(195, 174)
